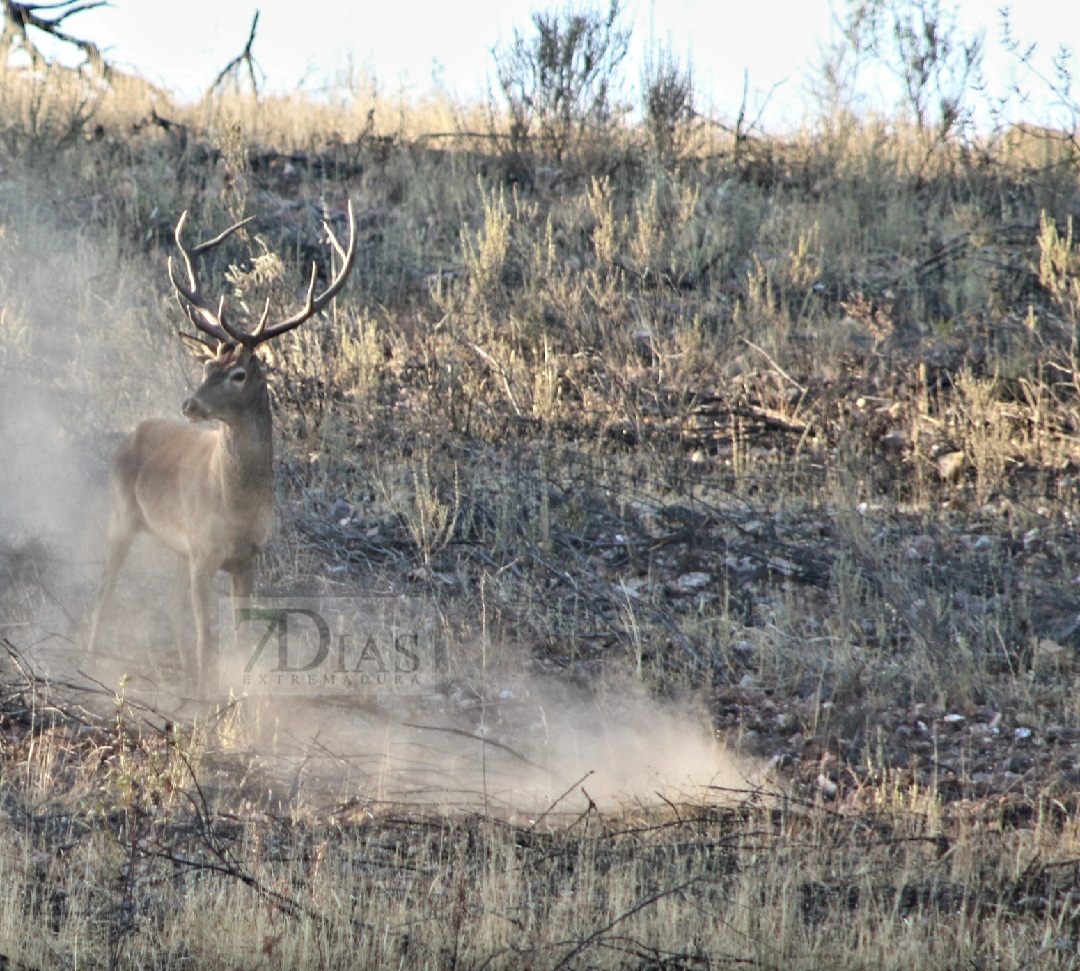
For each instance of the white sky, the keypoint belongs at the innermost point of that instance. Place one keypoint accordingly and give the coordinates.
(182, 46)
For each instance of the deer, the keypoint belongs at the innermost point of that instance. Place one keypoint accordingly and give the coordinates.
(207, 493)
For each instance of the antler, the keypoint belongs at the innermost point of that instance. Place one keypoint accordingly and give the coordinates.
(213, 322)
(198, 311)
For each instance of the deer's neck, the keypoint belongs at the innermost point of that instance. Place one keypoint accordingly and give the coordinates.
(246, 457)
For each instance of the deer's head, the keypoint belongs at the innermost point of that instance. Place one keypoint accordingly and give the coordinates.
(234, 383)
(234, 379)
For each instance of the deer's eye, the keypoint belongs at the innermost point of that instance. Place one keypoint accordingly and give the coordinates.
(239, 376)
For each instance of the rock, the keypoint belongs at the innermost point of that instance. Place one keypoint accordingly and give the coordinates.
(951, 466)
(691, 582)
(826, 785)
(894, 441)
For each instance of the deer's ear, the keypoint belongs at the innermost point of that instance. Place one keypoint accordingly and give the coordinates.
(200, 350)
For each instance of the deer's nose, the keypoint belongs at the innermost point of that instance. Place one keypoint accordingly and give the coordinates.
(192, 410)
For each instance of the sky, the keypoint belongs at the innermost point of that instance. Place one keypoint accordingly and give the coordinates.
(404, 45)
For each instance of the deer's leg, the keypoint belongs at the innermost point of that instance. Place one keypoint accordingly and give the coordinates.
(241, 587)
(205, 672)
(242, 581)
(120, 539)
(180, 603)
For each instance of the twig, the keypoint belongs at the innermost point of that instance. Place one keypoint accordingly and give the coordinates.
(539, 819)
(779, 370)
(19, 16)
(626, 914)
(475, 738)
(502, 373)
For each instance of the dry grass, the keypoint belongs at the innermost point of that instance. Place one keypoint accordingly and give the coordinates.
(788, 430)
(125, 852)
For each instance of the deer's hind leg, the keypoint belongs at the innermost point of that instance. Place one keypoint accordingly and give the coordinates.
(122, 532)
(241, 590)
(241, 579)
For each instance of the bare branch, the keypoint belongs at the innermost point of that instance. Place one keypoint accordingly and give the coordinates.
(18, 17)
(244, 58)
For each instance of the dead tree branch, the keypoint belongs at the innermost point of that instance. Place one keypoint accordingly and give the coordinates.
(20, 17)
(244, 58)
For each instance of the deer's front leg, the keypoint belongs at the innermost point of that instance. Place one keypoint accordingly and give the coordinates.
(178, 606)
(204, 675)
(242, 588)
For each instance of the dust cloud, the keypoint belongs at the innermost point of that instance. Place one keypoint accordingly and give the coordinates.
(538, 748)
(86, 350)
(489, 735)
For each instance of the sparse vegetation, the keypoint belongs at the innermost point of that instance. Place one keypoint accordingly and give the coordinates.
(781, 429)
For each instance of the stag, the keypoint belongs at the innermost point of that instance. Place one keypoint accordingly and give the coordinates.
(208, 492)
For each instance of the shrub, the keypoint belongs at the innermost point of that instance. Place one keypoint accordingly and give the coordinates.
(563, 78)
(667, 95)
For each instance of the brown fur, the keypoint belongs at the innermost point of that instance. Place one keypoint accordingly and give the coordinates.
(206, 493)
